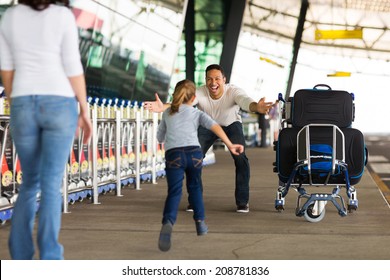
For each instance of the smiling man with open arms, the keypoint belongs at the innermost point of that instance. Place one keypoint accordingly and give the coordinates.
(223, 102)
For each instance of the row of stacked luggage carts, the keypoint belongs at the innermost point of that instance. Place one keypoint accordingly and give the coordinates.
(123, 151)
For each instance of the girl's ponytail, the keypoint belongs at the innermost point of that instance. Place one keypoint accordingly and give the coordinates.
(184, 91)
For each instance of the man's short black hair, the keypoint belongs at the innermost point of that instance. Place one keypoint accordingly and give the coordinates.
(215, 67)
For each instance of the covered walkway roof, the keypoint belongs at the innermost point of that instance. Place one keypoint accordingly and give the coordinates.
(278, 20)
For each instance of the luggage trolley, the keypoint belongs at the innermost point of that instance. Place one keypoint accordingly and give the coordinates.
(8, 193)
(317, 147)
(79, 181)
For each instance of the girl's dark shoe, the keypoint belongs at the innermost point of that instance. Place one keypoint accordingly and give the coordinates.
(164, 242)
(201, 228)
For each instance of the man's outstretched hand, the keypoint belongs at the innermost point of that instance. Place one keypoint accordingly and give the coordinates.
(154, 106)
(264, 107)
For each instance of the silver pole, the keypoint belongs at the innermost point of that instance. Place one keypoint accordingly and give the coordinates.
(118, 152)
(65, 191)
(137, 149)
(154, 145)
(95, 191)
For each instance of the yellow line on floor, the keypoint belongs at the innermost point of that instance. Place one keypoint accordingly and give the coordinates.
(382, 186)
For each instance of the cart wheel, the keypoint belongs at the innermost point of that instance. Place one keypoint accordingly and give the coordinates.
(310, 217)
(352, 208)
(279, 208)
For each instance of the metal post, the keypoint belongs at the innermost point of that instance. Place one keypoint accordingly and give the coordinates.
(137, 150)
(95, 192)
(118, 152)
(189, 33)
(154, 145)
(234, 11)
(65, 191)
(297, 43)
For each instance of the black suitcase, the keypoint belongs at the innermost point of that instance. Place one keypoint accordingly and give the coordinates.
(355, 154)
(325, 106)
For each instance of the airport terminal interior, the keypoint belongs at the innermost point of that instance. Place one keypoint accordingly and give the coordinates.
(114, 187)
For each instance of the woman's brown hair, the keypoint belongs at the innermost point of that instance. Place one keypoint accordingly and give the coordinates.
(184, 91)
(40, 5)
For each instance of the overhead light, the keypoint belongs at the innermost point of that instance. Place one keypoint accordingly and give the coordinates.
(338, 34)
(268, 60)
(340, 74)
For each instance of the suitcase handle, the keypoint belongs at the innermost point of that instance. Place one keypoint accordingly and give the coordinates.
(322, 85)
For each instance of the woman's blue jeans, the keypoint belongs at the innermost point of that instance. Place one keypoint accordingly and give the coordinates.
(42, 128)
(236, 136)
(180, 161)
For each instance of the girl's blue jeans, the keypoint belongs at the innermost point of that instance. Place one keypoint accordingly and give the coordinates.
(180, 161)
(42, 128)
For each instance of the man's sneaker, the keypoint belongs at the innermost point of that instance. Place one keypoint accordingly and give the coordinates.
(189, 208)
(164, 242)
(243, 208)
(201, 227)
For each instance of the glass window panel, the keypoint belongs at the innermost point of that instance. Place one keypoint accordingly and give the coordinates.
(128, 47)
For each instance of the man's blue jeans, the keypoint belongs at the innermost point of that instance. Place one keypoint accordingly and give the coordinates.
(42, 128)
(180, 161)
(236, 136)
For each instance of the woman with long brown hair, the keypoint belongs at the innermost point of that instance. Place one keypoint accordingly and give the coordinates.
(44, 81)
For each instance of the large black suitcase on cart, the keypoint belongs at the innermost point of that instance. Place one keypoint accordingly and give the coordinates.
(355, 153)
(317, 146)
(319, 106)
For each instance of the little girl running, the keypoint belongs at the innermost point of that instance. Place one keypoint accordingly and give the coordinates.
(178, 129)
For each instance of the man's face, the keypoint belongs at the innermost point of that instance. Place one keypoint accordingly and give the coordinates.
(215, 82)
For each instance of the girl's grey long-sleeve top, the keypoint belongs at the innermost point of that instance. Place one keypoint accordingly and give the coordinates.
(181, 129)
